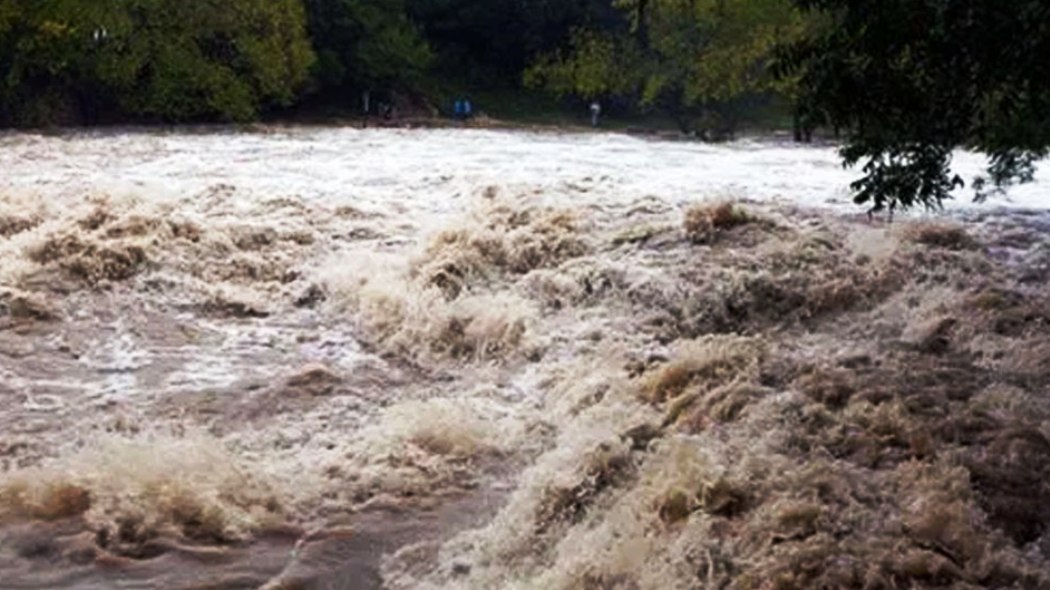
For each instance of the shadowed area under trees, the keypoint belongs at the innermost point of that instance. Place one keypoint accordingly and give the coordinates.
(704, 62)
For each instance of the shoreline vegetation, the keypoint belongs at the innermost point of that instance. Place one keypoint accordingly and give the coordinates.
(559, 122)
(100, 63)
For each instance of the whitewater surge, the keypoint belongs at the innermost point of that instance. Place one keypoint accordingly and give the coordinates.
(335, 358)
(437, 171)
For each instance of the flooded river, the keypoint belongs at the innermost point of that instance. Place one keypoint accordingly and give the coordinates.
(340, 358)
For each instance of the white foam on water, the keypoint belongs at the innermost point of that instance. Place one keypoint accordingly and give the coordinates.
(395, 425)
(435, 171)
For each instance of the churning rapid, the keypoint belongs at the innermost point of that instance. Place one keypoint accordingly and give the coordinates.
(331, 358)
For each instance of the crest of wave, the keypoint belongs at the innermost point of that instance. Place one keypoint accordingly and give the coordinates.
(36, 231)
(196, 247)
(417, 319)
(456, 296)
(416, 447)
(131, 491)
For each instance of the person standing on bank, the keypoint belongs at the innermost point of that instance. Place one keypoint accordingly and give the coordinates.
(366, 106)
(596, 113)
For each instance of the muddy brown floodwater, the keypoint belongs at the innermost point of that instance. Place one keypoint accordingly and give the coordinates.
(307, 358)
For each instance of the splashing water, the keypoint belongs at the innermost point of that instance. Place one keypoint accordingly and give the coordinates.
(335, 358)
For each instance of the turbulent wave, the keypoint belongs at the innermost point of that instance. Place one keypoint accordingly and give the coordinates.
(824, 415)
(547, 382)
(131, 491)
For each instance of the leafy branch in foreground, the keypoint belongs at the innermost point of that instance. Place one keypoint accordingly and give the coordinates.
(911, 81)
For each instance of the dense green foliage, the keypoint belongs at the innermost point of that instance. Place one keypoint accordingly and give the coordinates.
(909, 81)
(75, 60)
(366, 44)
(70, 61)
(705, 61)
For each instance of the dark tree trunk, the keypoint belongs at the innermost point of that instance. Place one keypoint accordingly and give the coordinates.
(643, 29)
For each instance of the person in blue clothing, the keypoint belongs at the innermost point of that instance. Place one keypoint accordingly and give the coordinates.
(458, 109)
(468, 109)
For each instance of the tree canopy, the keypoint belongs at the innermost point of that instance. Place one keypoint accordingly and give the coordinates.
(910, 81)
(166, 60)
(363, 44)
(697, 59)
(700, 60)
